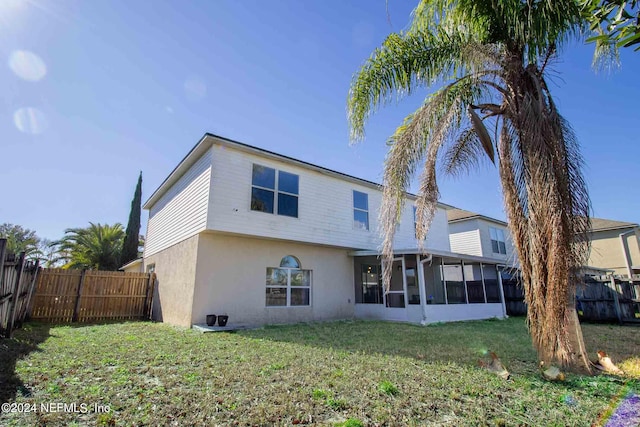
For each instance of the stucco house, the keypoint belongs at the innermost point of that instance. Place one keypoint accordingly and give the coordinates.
(266, 238)
(615, 245)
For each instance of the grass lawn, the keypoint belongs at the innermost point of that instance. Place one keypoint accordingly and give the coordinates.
(336, 373)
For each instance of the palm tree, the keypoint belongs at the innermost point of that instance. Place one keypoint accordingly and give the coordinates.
(492, 57)
(20, 239)
(97, 247)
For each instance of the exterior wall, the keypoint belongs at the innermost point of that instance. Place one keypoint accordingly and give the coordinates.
(325, 207)
(231, 279)
(435, 313)
(607, 250)
(182, 211)
(175, 269)
(472, 237)
(464, 237)
(485, 238)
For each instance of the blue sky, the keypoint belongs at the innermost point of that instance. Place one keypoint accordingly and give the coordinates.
(92, 92)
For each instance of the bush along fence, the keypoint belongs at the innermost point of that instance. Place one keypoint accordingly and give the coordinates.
(91, 296)
(17, 282)
(600, 299)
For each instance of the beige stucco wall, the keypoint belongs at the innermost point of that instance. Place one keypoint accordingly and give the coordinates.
(607, 250)
(175, 269)
(231, 279)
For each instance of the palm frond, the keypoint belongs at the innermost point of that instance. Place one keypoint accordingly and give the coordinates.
(422, 134)
(403, 62)
(95, 247)
(464, 155)
(482, 133)
(528, 27)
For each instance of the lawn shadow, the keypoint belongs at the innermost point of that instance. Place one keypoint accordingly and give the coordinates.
(24, 341)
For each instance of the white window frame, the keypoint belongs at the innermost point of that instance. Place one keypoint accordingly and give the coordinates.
(289, 287)
(499, 235)
(353, 200)
(275, 190)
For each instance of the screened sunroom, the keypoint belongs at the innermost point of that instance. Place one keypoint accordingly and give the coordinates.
(427, 288)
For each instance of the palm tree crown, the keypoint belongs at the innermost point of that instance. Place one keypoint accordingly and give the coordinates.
(97, 247)
(490, 57)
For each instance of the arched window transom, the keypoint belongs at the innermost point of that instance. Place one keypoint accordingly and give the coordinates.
(290, 262)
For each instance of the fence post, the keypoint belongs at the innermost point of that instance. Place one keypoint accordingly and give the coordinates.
(148, 300)
(76, 309)
(616, 301)
(3, 255)
(27, 315)
(15, 295)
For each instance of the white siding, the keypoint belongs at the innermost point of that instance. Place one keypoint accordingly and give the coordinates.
(472, 237)
(486, 241)
(182, 211)
(325, 207)
(465, 238)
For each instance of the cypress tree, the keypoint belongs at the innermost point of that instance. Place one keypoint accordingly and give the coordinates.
(132, 238)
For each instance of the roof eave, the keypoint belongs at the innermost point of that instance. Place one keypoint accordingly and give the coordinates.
(486, 218)
(209, 139)
(436, 252)
(178, 171)
(620, 227)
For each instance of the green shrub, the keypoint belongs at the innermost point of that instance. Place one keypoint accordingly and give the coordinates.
(388, 388)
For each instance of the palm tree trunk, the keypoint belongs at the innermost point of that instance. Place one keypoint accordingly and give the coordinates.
(545, 200)
(581, 362)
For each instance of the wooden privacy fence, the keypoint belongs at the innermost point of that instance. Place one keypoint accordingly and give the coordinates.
(605, 298)
(90, 296)
(17, 280)
(601, 299)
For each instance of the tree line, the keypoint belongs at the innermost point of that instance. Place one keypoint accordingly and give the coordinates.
(96, 247)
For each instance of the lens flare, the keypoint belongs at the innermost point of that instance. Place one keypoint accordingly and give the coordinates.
(30, 120)
(27, 65)
(570, 400)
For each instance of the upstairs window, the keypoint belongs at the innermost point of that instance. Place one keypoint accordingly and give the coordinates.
(287, 194)
(274, 191)
(360, 210)
(498, 245)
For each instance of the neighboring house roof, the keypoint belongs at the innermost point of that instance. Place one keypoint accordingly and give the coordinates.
(455, 215)
(597, 224)
(131, 263)
(601, 224)
(209, 139)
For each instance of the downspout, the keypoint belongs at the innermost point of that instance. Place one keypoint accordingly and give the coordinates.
(422, 286)
(625, 250)
(504, 305)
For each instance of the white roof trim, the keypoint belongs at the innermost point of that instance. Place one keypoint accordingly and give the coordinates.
(446, 254)
(479, 216)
